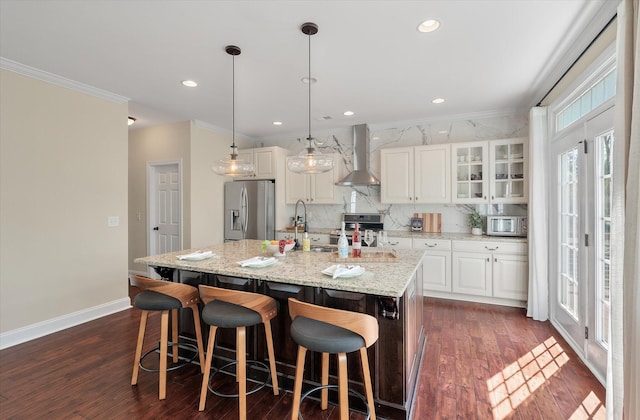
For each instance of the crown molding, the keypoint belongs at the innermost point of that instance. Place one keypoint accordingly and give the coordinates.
(32, 72)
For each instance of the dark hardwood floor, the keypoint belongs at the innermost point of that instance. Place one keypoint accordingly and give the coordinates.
(480, 362)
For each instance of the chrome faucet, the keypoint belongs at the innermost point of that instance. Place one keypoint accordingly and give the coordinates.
(295, 220)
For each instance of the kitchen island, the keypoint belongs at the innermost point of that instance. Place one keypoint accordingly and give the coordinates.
(390, 290)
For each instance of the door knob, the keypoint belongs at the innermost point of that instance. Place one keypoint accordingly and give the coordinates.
(156, 228)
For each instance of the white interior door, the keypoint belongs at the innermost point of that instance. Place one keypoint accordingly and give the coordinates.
(165, 208)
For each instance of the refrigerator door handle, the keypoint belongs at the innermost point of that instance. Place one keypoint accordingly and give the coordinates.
(245, 210)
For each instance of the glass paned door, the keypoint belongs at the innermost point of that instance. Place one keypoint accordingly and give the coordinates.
(604, 147)
(568, 275)
(580, 248)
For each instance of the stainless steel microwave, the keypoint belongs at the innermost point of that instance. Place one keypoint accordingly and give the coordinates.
(507, 225)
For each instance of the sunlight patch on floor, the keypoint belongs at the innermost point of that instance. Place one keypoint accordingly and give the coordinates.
(516, 382)
(590, 408)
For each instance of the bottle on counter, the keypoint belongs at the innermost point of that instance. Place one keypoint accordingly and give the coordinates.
(343, 244)
(306, 242)
(356, 242)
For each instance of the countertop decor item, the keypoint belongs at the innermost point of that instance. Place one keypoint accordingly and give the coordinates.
(231, 165)
(310, 161)
(475, 221)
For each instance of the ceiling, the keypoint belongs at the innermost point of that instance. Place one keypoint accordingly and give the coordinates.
(487, 57)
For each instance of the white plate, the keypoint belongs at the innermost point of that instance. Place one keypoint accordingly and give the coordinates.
(257, 262)
(196, 256)
(355, 272)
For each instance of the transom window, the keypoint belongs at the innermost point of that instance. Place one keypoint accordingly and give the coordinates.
(602, 90)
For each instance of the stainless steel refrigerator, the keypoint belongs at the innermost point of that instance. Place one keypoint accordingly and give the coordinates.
(249, 210)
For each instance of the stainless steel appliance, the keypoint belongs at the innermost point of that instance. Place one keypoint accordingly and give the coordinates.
(372, 221)
(507, 225)
(249, 210)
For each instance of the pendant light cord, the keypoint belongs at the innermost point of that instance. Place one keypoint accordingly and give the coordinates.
(309, 81)
(233, 104)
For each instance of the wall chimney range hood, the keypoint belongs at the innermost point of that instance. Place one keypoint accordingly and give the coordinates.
(360, 174)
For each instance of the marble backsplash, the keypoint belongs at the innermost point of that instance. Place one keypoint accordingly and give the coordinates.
(363, 199)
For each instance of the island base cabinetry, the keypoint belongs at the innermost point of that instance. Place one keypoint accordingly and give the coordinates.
(394, 359)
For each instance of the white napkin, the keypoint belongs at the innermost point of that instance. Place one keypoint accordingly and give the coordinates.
(346, 270)
(198, 255)
(256, 261)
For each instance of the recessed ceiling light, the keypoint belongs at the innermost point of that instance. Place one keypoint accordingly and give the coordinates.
(429, 25)
(348, 113)
(306, 80)
(437, 101)
(189, 83)
(277, 123)
(130, 120)
(443, 132)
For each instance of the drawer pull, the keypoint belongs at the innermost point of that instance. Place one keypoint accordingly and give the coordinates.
(431, 245)
(491, 249)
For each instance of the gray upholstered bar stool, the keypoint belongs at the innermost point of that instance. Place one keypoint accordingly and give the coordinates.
(164, 296)
(225, 308)
(331, 331)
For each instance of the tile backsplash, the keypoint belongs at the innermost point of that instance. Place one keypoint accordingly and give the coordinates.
(362, 199)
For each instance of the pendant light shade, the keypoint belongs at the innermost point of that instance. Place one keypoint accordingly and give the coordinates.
(231, 165)
(310, 161)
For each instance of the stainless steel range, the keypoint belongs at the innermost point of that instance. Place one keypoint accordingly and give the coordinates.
(372, 221)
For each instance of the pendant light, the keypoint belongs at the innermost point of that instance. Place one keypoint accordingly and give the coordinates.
(310, 161)
(231, 165)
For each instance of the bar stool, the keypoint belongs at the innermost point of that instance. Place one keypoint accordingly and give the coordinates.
(331, 331)
(226, 308)
(164, 296)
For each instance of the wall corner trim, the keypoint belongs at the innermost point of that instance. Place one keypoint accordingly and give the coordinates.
(40, 329)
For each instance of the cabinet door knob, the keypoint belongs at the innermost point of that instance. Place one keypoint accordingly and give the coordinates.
(495, 259)
(416, 198)
(488, 260)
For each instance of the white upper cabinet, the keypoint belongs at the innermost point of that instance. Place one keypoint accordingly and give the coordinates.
(470, 163)
(432, 183)
(396, 175)
(267, 161)
(419, 174)
(509, 170)
(313, 188)
(493, 171)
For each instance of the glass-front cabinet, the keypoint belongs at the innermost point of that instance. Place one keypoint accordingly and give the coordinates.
(490, 171)
(470, 178)
(509, 168)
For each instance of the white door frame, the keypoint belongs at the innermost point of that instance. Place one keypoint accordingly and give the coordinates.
(152, 205)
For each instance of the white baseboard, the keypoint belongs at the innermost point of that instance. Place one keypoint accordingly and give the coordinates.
(40, 329)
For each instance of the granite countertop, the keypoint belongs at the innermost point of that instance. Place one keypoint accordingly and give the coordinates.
(297, 267)
(423, 235)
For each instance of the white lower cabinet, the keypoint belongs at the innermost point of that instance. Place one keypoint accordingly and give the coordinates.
(315, 238)
(396, 242)
(491, 269)
(436, 264)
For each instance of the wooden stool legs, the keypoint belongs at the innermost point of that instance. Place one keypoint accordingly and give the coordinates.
(164, 345)
(241, 370)
(141, 330)
(297, 387)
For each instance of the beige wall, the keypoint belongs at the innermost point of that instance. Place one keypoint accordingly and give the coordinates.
(207, 188)
(196, 148)
(164, 143)
(63, 171)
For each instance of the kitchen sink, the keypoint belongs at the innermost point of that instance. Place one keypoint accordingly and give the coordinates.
(323, 248)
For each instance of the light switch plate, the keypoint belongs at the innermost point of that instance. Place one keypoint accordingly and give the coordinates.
(113, 221)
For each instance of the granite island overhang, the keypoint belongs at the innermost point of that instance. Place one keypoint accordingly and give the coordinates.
(389, 278)
(390, 290)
